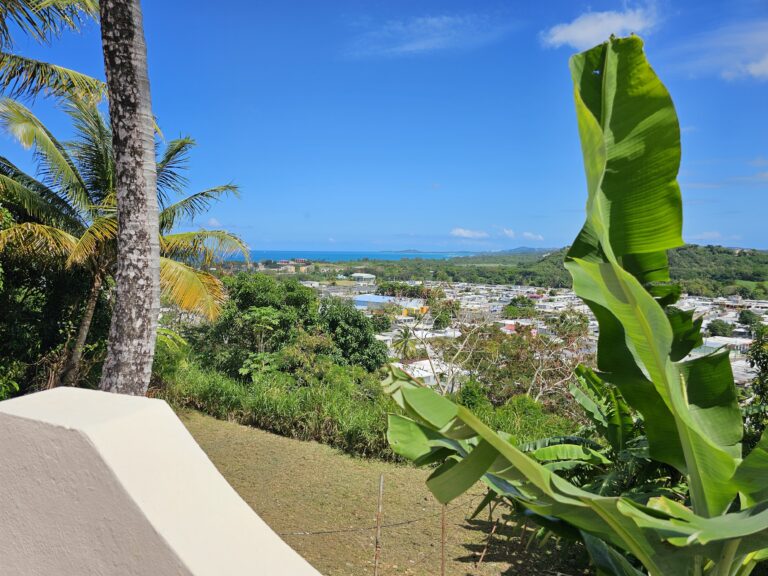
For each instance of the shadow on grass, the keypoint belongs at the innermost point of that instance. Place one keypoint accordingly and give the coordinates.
(527, 554)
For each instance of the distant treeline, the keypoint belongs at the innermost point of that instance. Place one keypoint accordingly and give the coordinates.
(701, 270)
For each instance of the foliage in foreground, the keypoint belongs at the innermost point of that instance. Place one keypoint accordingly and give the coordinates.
(62, 235)
(630, 142)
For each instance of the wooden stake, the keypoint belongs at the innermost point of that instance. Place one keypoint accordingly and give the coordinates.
(487, 543)
(442, 542)
(377, 553)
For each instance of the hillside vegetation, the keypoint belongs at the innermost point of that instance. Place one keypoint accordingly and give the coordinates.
(702, 270)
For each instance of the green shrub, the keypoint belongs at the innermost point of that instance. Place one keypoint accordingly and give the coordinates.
(342, 406)
(339, 411)
(207, 391)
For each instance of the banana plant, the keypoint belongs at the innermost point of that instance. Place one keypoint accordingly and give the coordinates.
(610, 455)
(630, 141)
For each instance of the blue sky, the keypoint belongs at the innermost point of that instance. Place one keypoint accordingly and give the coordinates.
(436, 125)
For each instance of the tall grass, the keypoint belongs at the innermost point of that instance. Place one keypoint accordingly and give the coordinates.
(337, 411)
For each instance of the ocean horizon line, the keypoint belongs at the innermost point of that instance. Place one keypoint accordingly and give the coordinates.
(353, 255)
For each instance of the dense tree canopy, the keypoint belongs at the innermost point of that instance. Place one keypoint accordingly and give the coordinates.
(720, 328)
(266, 315)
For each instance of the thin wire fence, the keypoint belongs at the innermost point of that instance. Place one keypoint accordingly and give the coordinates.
(494, 547)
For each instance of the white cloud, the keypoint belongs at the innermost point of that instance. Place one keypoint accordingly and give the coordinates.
(758, 69)
(592, 28)
(759, 178)
(712, 235)
(735, 50)
(465, 233)
(509, 233)
(701, 185)
(213, 222)
(533, 236)
(427, 34)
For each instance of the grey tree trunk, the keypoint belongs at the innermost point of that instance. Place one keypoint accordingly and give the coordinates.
(72, 369)
(132, 334)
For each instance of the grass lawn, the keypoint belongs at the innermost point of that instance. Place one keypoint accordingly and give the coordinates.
(299, 487)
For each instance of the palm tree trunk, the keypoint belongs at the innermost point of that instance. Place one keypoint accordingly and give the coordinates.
(131, 348)
(72, 368)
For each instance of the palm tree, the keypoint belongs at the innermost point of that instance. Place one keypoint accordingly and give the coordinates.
(43, 20)
(404, 343)
(133, 331)
(69, 211)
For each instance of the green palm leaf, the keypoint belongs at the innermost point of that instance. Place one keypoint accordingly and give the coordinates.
(32, 239)
(43, 19)
(191, 206)
(170, 167)
(20, 76)
(92, 151)
(20, 189)
(55, 162)
(101, 231)
(13, 193)
(204, 246)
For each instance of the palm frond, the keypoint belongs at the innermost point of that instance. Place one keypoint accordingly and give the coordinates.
(170, 178)
(87, 7)
(43, 19)
(102, 229)
(22, 76)
(203, 247)
(190, 289)
(170, 339)
(32, 239)
(54, 159)
(92, 150)
(68, 217)
(193, 205)
(12, 193)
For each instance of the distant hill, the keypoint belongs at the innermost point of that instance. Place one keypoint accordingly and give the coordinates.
(718, 263)
(525, 250)
(702, 270)
(705, 270)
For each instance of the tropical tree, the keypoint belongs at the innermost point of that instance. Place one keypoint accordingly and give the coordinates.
(69, 211)
(631, 147)
(404, 343)
(720, 327)
(44, 20)
(132, 334)
(749, 318)
(520, 307)
(756, 409)
(353, 333)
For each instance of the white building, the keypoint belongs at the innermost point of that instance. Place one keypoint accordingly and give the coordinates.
(363, 278)
(429, 372)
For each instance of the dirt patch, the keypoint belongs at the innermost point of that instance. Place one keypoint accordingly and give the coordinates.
(323, 503)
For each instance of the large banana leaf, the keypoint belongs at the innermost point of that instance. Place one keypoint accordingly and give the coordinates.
(631, 148)
(605, 406)
(481, 453)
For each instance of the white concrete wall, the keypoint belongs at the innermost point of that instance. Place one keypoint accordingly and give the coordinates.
(100, 484)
